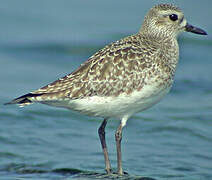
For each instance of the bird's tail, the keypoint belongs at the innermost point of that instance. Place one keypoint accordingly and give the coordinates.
(25, 99)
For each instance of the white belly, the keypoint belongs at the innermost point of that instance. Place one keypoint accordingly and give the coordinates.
(118, 107)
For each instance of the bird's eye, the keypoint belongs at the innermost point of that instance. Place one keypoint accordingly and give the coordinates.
(173, 17)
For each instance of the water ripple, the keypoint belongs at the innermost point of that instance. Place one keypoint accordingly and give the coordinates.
(179, 130)
(24, 169)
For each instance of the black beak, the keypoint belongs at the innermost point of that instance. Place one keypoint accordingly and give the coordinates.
(190, 28)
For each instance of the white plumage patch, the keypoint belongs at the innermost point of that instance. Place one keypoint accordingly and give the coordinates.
(122, 106)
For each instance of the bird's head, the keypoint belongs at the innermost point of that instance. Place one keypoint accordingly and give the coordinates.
(169, 20)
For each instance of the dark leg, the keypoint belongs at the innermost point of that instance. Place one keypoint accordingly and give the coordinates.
(101, 132)
(118, 137)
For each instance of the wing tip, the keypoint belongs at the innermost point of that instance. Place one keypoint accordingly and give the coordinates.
(23, 100)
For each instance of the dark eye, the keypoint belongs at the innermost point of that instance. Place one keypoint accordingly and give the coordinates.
(173, 17)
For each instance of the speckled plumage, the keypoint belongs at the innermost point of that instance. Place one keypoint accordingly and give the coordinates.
(121, 67)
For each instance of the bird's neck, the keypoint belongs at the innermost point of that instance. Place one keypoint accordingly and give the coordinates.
(167, 45)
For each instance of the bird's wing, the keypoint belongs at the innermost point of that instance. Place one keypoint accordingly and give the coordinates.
(117, 68)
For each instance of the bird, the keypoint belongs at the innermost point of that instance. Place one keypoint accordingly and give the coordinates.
(127, 76)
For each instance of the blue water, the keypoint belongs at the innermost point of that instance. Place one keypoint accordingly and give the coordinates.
(41, 41)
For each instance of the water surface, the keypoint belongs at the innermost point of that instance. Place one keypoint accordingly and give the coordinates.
(41, 41)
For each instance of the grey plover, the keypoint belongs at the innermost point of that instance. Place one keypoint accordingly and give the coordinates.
(123, 78)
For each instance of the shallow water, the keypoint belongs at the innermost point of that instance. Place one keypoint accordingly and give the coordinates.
(44, 40)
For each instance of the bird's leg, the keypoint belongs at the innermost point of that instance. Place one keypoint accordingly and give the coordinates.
(118, 137)
(101, 132)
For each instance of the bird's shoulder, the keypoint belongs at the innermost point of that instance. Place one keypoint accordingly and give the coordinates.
(125, 54)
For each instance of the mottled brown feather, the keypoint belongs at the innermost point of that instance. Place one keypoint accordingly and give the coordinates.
(117, 68)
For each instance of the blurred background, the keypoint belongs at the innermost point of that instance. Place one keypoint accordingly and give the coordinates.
(41, 41)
